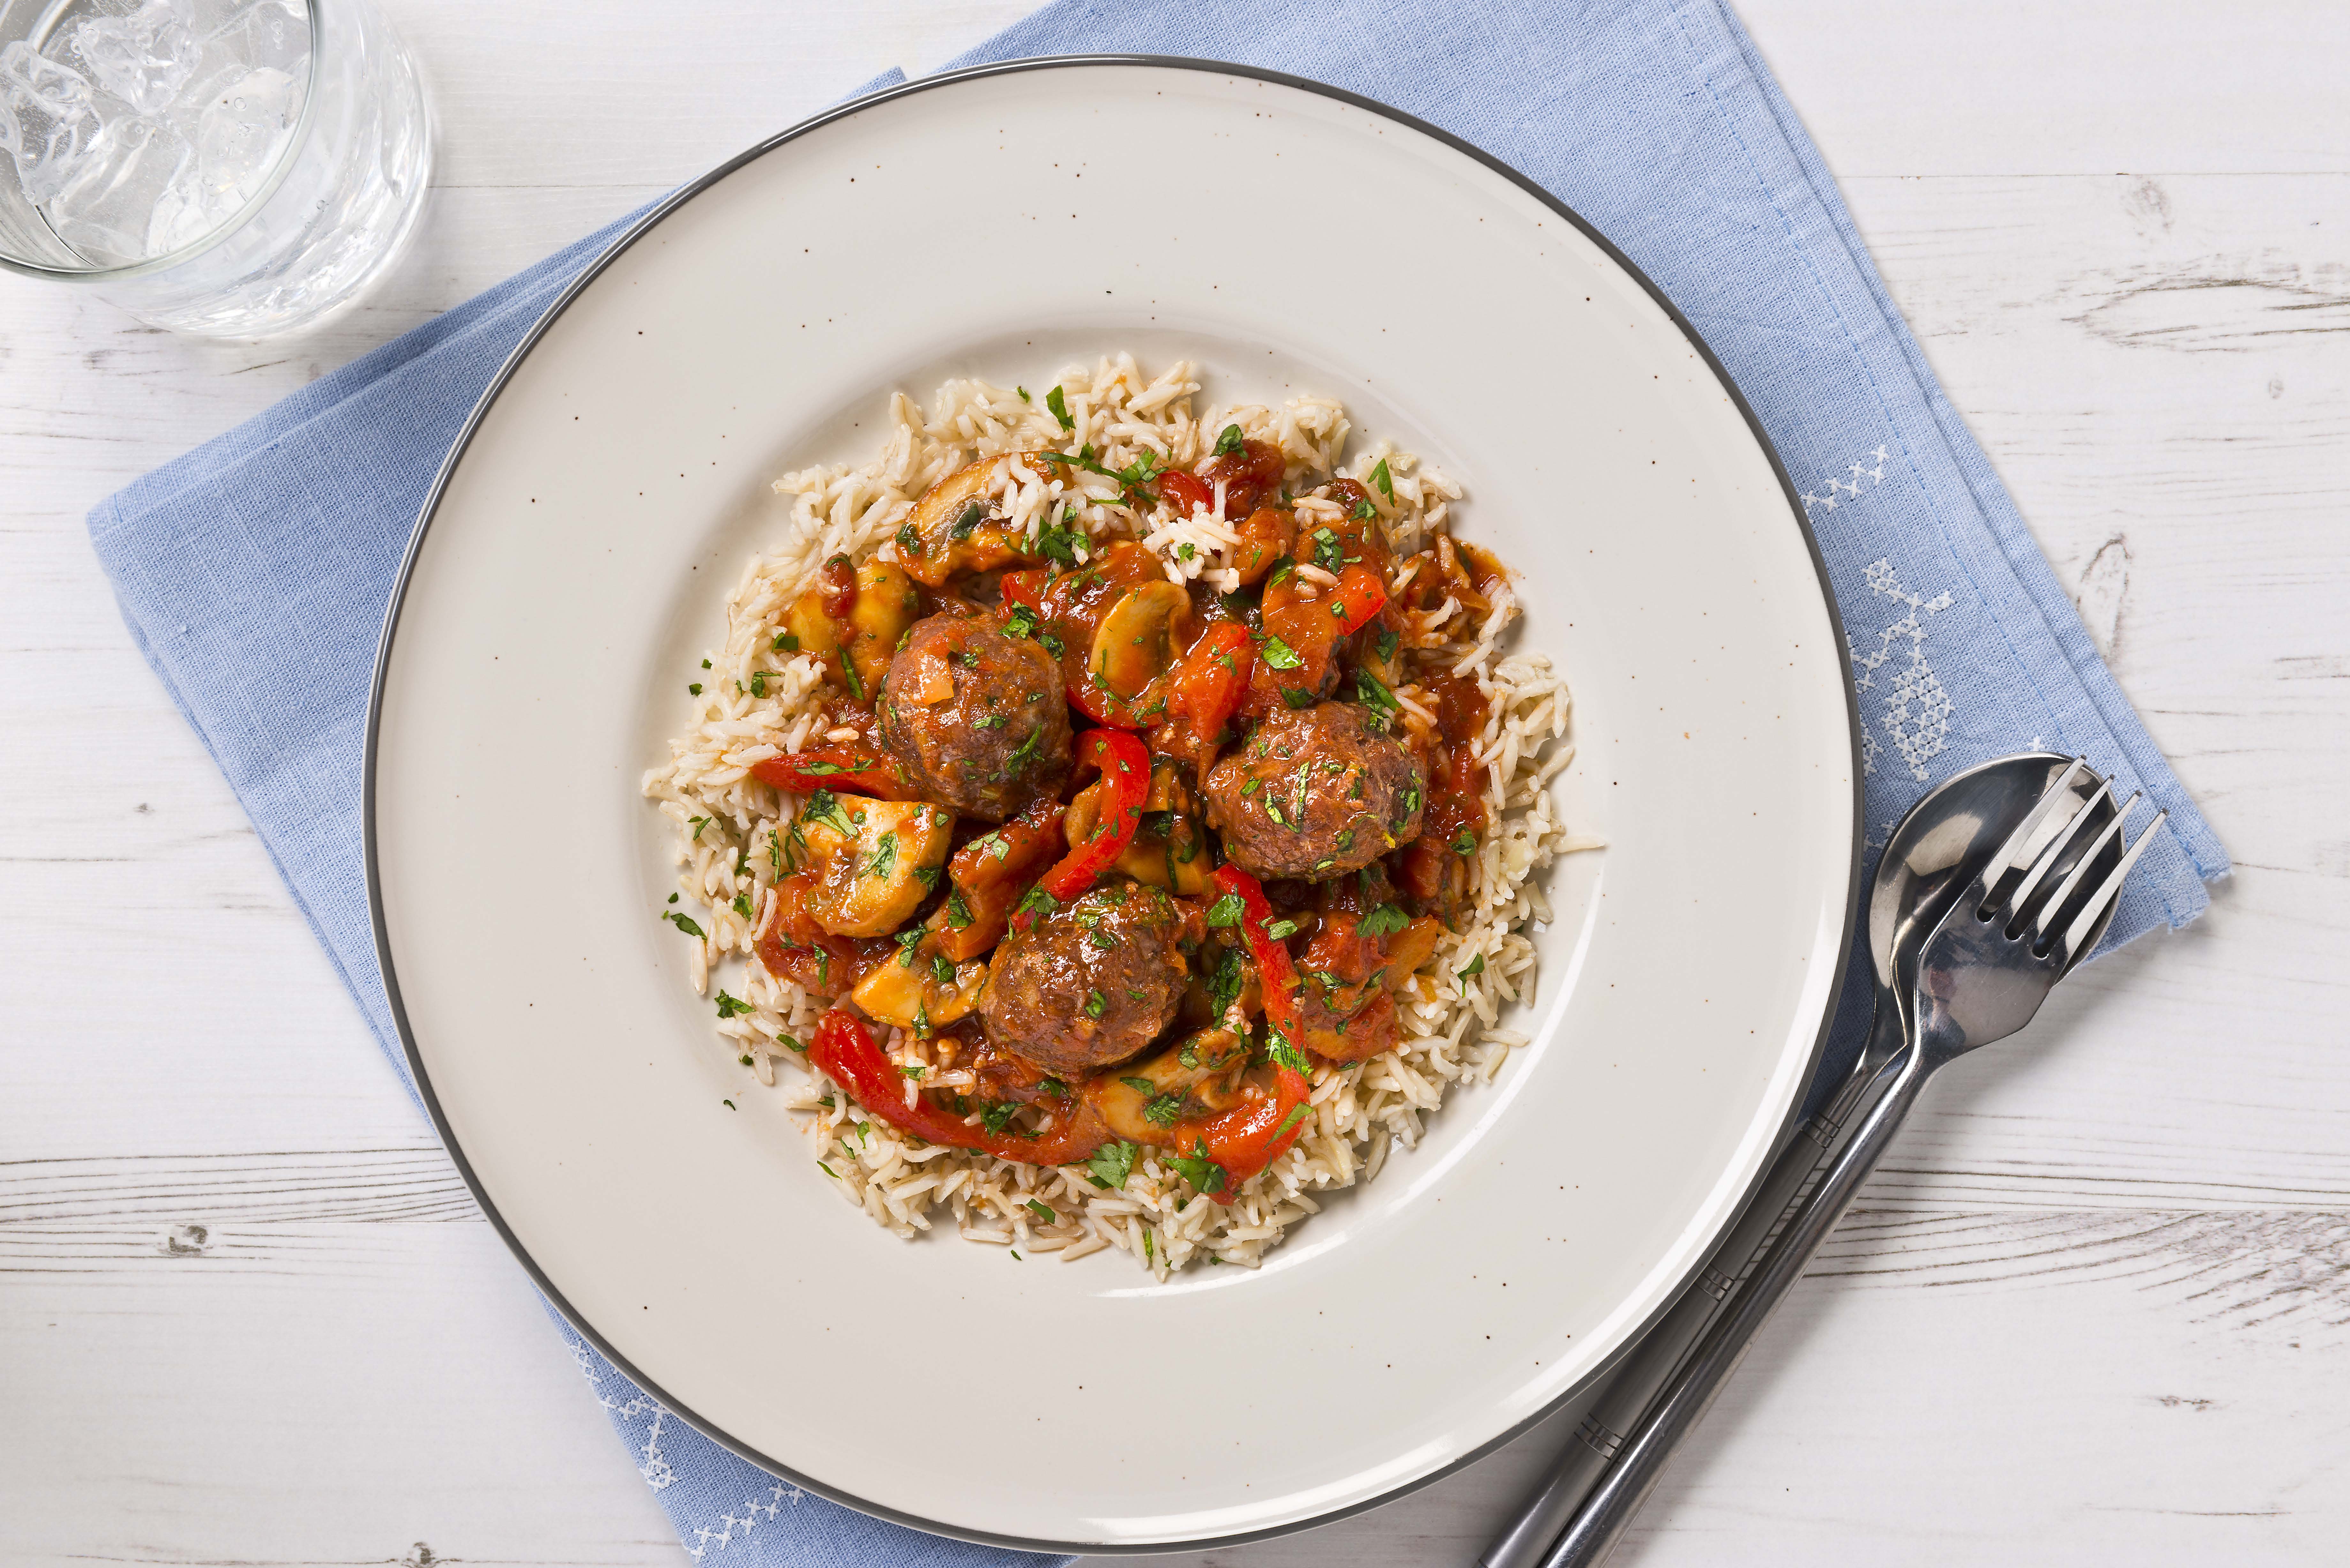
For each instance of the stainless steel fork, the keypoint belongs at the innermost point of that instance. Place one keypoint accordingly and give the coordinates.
(1977, 977)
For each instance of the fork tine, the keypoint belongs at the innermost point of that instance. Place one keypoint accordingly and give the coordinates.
(2053, 852)
(1999, 867)
(2108, 891)
(2044, 920)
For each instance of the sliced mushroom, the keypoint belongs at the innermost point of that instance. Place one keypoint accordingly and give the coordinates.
(955, 527)
(1144, 1101)
(870, 857)
(1142, 635)
(921, 989)
(884, 609)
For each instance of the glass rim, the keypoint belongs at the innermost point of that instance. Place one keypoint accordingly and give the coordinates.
(260, 198)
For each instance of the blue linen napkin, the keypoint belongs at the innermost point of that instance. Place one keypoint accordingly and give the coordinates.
(253, 572)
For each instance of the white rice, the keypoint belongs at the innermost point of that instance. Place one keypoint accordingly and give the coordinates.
(753, 704)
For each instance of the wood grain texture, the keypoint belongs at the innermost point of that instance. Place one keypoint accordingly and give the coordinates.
(2092, 1309)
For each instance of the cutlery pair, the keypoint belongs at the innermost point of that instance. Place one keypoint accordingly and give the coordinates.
(1994, 887)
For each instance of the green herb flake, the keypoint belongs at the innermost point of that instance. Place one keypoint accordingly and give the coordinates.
(1374, 693)
(785, 643)
(1465, 842)
(791, 1043)
(1023, 394)
(695, 688)
(1162, 1109)
(1043, 1212)
(998, 1116)
(1384, 920)
(1059, 406)
(729, 1006)
(1230, 442)
(1281, 930)
(1095, 1004)
(884, 856)
(1111, 1164)
(827, 1170)
(1476, 967)
(1282, 1054)
(958, 911)
(1380, 477)
(742, 905)
(684, 922)
(1196, 1168)
(1280, 655)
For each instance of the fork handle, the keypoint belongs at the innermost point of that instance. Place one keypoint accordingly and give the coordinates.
(1599, 1524)
(1633, 1386)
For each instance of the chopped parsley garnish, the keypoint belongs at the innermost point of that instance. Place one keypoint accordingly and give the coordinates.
(791, 1043)
(1296, 1114)
(1374, 692)
(1384, 920)
(1364, 509)
(785, 643)
(1281, 930)
(907, 941)
(827, 1170)
(995, 1118)
(1021, 622)
(824, 806)
(958, 911)
(967, 521)
(1476, 967)
(695, 688)
(1059, 406)
(1037, 901)
(1225, 981)
(1111, 1166)
(728, 1006)
(1282, 1054)
(1162, 1109)
(1297, 696)
(742, 905)
(909, 541)
(942, 968)
(1230, 442)
(928, 876)
(684, 922)
(1328, 554)
(1026, 748)
(1280, 655)
(1143, 1086)
(1043, 1212)
(1095, 1003)
(1057, 542)
(1465, 842)
(1198, 1169)
(1386, 644)
(1055, 1087)
(1023, 394)
(705, 664)
(855, 683)
(1380, 477)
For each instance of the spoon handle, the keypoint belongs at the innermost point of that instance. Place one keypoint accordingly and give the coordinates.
(1600, 1523)
(1661, 1352)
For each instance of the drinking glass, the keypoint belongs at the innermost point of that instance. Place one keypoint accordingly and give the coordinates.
(227, 168)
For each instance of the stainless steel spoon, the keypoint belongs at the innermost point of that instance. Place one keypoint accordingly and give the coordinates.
(1957, 825)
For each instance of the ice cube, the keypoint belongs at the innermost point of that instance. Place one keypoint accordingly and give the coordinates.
(48, 121)
(144, 58)
(244, 128)
(107, 212)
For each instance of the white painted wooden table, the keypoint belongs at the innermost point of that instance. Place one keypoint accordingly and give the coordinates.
(2092, 1311)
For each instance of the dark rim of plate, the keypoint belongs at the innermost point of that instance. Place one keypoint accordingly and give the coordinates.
(431, 505)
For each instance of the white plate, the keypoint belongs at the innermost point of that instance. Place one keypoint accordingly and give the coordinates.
(572, 572)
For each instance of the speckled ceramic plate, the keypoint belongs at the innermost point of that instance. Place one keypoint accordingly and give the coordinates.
(573, 562)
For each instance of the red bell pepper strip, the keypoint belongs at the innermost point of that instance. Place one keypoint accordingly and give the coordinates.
(1210, 682)
(1359, 597)
(848, 770)
(1125, 765)
(1186, 493)
(844, 1050)
(1025, 586)
(1247, 1138)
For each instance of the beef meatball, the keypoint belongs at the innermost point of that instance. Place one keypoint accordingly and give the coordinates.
(1091, 983)
(1317, 793)
(978, 718)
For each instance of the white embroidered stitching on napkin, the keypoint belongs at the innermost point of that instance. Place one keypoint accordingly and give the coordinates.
(1917, 707)
(1871, 468)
